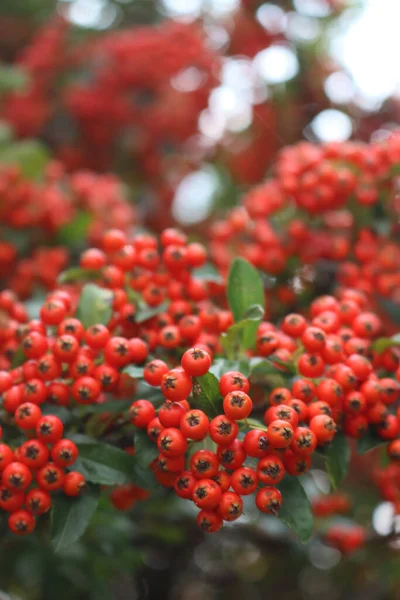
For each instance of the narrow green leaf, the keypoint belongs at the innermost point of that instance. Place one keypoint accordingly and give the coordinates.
(75, 231)
(337, 459)
(382, 344)
(244, 289)
(147, 313)
(240, 335)
(207, 273)
(296, 511)
(369, 441)
(133, 371)
(12, 78)
(108, 465)
(145, 450)
(94, 305)
(71, 516)
(30, 155)
(206, 395)
(78, 274)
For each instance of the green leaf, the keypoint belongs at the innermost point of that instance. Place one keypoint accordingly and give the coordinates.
(30, 155)
(391, 308)
(94, 305)
(19, 358)
(78, 274)
(382, 344)
(337, 459)
(241, 336)
(71, 516)
(369, 441)
(207, 273)
(244, 290)
(206, 395)
(108, 465)
(296, 511)
(12, 78)
(134, 371)
(145, 450)
(149, 312)
(75, 231)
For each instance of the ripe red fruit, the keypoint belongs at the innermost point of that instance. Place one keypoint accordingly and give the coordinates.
(196, 362)
(233, 381)
(176, 385)
(279, 434)
(21, 522)
(194, 424)
(270, 470)
(171, 442)
(16, 476)
(37, 501)
(49, 429)
(74, 483)
(222, 430)
(256, 443)
(141, 413)
(324, 428)
(64, 453)
(204, 464)
(269, 500)
(206, 494)
(244, 481)
(209, 521)
(230, 507)
(184, 485)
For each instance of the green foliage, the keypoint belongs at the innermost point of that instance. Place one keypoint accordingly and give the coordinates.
(145, 313)
(109, 465)
(75, 231)
(12, 79)
(382, 344)
(240, 335)
(30, 155)
(207, 273)
(244, 290)
(94, 305)
(337, 459)
(206, 395)
(296, 511)
(369, 441)
(75, 274)
(145, 450)
(71, 516)
(133, 371)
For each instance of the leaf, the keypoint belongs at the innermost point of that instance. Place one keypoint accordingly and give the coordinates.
(74, 232)
(207, 273)
(206, 395)
(12, 78)
(382, 344)
(241, 336)
(78, 274)
(108, 465)
(369, 441)
(94, 305)
(244, 289)
(71, 516)
(133, 371)
(19, 358)
(391, 308)
(145, 450)
(30, 155)
(149, 312)
(337, 459)
(296, 511)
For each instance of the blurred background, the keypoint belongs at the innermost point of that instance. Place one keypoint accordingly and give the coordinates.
(188, 103)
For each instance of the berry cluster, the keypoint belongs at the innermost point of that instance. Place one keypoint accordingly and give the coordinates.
(324, 203)
(38, 211)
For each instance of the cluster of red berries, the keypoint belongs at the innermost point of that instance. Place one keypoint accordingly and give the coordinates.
(217, 480)
(146, 89)
(308, 212)
(38, 210)
(333, 356)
